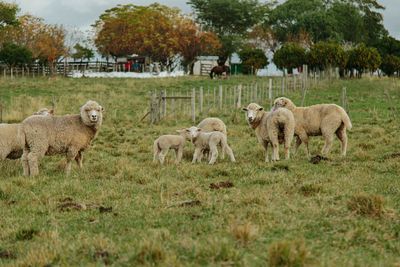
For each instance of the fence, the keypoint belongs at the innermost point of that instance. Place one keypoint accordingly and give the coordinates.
(199, 101)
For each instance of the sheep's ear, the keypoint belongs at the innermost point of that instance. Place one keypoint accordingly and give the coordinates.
(187, 130)
(51, 112)
(199, 129)
(102, 109)
(245, 109)
(260, 109)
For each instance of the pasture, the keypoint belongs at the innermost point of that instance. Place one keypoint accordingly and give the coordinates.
(123, 210)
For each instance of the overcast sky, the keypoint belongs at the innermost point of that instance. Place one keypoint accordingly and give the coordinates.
(82, 13)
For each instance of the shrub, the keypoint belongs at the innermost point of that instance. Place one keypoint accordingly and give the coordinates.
(288, 254)
(364, 204)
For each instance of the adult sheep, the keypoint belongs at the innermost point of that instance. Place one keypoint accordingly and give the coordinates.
(69, 135)
(271, 127)
(12, 141)
(322, 119)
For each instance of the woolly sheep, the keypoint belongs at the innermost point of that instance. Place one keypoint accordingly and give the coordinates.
(321, 119)
(11, 139)
(208, 141)
(271, 127)
(213, 124)
(69, 134)
(164, 143)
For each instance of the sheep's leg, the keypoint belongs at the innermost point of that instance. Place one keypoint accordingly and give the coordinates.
(196, 154)
(71, 155)
(162, 155)
(34, 156)
(223, 152)
(328, 143)
(229, 151)
(214, 153)
(25, 162)
(156, 153)
(275, 148)
(179, 154)
(289, 133)
(304, 139)
(342, 135)
(296, 147)
(79, 159)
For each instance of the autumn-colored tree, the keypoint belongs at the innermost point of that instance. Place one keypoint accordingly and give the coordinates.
(193, 42)
(145, 30)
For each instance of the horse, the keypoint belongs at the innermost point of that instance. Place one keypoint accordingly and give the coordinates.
(219, 70)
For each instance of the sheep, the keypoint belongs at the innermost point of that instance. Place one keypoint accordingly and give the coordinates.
(208, 141)
(70, 135)
(271, 127)
(11, 139)
(316, 120)
(164, 143)
(213, 124)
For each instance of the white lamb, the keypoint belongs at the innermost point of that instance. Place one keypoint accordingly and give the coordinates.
(208, 141)
(69, 135)
(164, 143)
(213, 124)
(271, 127)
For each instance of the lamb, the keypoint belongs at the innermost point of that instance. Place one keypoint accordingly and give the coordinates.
(70, 135)
(11, 139)
(166, 142)
(208, 141)
(271, 127)
(322, 119)
(212, 124)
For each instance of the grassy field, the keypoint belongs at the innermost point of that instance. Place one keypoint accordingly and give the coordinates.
(123, 210)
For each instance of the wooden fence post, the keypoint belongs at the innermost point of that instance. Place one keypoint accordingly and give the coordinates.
(283, 85)
(194, 105)
(201, 100)
(344, 99)
(239, 98)
(164, 102)
(270, 93)
(173, 104)
(154, 109)
(1, 112)
(220, 97)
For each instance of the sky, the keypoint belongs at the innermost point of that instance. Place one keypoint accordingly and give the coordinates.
(82, 13)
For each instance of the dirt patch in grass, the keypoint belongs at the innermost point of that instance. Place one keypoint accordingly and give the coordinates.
(367, 205)
(26, 234)
(67, 204)
(317, 159)
(103, 256)
(310, 189)
(226, 184)
(392, 156)
(105, 209)
(7, 255)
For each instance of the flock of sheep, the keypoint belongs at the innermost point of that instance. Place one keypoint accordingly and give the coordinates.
(43, 133)
(278, 126)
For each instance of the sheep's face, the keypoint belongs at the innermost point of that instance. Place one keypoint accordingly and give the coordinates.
(252, 111)
(92, 113)
(44, 112)
(282, 102)
(193, 132)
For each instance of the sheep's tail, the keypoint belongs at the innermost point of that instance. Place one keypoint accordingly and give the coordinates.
(346, 119)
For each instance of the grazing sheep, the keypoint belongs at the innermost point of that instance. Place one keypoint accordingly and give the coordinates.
(322, 119)
(271, 127)
(208, 141)
(11, 139)
(69, 135)
(210, 125)
(166, 142)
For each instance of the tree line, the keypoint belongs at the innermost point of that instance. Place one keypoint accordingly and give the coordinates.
(347, 34)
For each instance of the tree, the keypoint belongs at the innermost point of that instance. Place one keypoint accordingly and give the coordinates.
(363, 58)
(388, 45)
(14, 55)
(390, 65)
(146, 30)
(8, 14)
(290, 56)
(82, 52)
(229, 19)
(325, 55)
(193, 42)
(253, 59)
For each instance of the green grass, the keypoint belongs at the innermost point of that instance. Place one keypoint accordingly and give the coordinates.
(124, 210)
